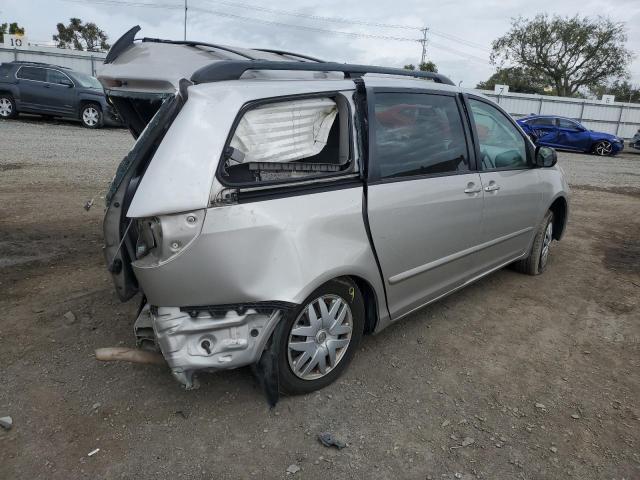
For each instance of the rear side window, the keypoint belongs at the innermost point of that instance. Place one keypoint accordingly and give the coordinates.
(32, 73)
(418, 134)
(542, 122)
(5, 68)
(289, 140)
(501, 144)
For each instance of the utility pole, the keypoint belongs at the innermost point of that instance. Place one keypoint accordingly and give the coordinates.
(185, 20)
(423, 41)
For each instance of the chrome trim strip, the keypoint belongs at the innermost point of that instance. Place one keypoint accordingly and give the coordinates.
(459, 287)
(454, 256)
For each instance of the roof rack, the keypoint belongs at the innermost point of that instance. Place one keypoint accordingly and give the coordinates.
(290, 54)
(233, 70)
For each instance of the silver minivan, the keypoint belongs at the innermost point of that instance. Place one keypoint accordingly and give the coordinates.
(275, 208)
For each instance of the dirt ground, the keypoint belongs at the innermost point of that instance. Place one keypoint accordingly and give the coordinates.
(515, 377)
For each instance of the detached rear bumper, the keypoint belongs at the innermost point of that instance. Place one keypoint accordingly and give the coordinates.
(217, 339)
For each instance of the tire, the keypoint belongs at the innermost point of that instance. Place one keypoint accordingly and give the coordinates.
(7, 106)
(91, 115)
(603, 148)
(320, 339)
(537, 260)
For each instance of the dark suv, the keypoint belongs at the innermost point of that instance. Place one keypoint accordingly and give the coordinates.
(50, 90)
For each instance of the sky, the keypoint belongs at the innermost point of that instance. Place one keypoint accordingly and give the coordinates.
(458, 41)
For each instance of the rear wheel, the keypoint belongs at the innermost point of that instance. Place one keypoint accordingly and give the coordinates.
(603, 148)
(320, 337)
(7, 106)
(91, 116)
(538, 258)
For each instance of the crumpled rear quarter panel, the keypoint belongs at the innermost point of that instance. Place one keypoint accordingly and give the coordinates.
(279, 249)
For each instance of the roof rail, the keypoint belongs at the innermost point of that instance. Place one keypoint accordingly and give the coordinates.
(233, 70)
(199, 44)
(29, 62)
(290, 54)
(43, 64)
(128, 38)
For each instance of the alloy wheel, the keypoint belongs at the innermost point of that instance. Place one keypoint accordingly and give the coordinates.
(604, 148)
(546, 243)
(319, 337)
(90, 116)
(6, 107)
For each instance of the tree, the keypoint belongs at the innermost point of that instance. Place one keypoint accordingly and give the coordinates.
(572, 52)
(81, 36)
(520, 80)
(428, 66)
(621, 89)
(10, 28)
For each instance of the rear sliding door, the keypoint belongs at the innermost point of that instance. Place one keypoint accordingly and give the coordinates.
(424, 198)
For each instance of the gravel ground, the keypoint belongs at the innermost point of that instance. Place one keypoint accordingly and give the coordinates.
(619, 173)
(514, 377)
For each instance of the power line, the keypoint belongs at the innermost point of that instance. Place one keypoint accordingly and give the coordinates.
(306, 27)
(242, 17)
(292, 13)
(351, 21)
(282, 24)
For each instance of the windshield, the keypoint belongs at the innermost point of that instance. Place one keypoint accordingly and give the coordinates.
(87, 81)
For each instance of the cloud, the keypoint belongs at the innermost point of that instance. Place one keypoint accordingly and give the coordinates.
(476, 22)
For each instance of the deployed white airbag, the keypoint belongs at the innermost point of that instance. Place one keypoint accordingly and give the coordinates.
(286, 131)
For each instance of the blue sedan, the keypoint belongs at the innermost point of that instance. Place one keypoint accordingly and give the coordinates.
(566, 134)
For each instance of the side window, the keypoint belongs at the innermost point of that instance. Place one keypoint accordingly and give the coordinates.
(568, 124)
(288, 140)
(5, 68)
(32, 73)
(54, 76)
(418, 134)
(543, 122)
(501, 144)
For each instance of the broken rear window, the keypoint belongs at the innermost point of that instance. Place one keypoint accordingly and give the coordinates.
(288, 140)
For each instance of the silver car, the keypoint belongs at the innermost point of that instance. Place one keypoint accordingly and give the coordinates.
(275, 208)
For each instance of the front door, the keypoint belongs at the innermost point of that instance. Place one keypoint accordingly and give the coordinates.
(511, 185)
(424, 199)
(59, 93)
(572, 135)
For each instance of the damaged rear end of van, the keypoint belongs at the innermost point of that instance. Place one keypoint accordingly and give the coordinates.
(219, 218)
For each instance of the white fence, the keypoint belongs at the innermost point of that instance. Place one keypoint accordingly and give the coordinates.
(622, 119)
(86, 62)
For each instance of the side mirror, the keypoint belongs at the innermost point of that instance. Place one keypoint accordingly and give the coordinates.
(66, 83)
(545, 157)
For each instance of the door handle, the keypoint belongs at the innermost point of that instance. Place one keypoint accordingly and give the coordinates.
(492, 187)
(46, 85)
(471, 188)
